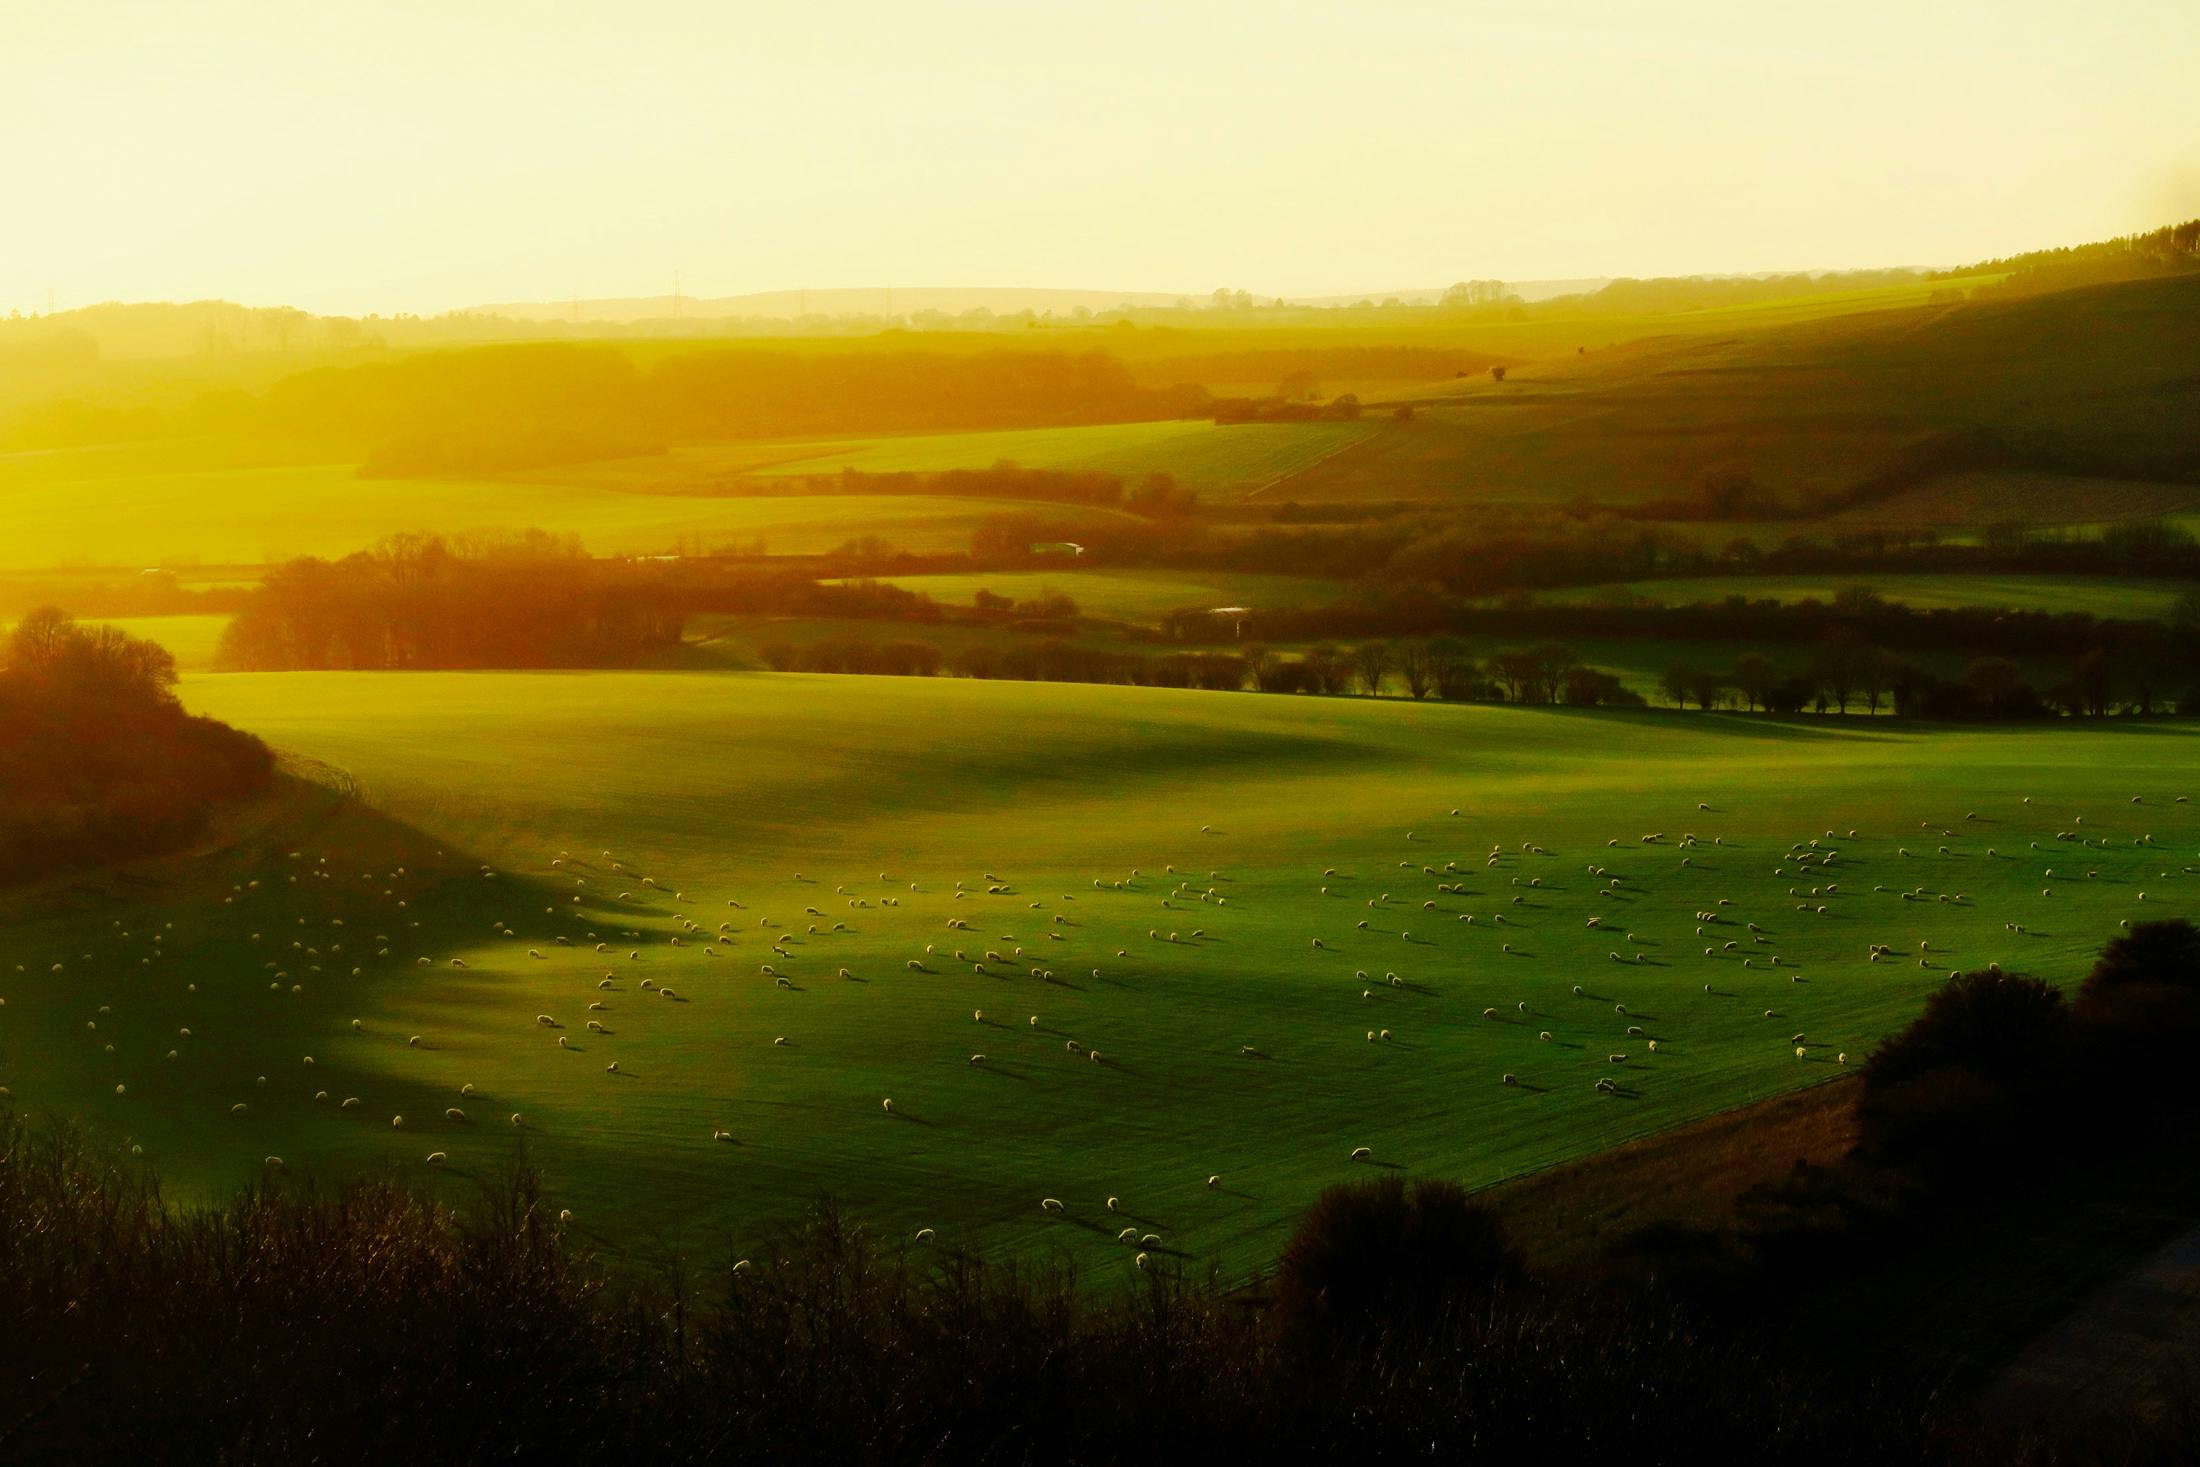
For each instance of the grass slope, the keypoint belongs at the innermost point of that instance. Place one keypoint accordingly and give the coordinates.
(2088, 382)
(1219, 461)
(1138, 596)
(266, 515)
(1237, 1050)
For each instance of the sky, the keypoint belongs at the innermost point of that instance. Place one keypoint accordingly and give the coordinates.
(421, 155)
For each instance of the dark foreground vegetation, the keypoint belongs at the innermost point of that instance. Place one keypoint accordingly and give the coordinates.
(97, 759)
(372, 1322)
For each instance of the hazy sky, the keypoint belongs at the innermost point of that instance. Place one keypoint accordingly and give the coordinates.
(423, 154)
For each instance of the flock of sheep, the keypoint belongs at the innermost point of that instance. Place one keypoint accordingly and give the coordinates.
(591, 940)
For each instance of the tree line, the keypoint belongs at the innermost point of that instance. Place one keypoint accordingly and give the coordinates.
(1854, 612)
(1491, 551)
(1844, 672)
(517, 600)
(1439, 668)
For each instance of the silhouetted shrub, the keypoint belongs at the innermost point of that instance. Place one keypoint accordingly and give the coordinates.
(2139, 1010)
(1382, 1257)
(1974, 1078)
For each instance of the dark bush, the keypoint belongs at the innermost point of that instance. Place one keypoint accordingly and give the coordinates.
(1973, 1079)
(1384, 1257)
(2139, 1010)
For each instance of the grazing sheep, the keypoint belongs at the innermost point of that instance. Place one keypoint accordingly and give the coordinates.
(1214, 1181)
(1362, 1153)
(1050, 1204)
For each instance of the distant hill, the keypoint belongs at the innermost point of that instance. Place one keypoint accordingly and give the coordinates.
(947, 300)
(2073, 407)
(791, 305)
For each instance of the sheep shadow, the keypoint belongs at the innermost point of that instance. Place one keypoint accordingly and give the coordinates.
(1006, 1074)
(914, 1120)
(1089, 1226)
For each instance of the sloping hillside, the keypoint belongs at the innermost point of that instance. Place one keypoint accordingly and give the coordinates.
(1858, 413)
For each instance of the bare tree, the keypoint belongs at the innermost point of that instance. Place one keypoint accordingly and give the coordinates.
(1372, 661)
(1753, 676)
(1416, 667)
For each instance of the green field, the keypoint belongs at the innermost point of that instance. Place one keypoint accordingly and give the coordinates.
(1237, 1050)
(1130, 595)
(1218, 461)
(151, 516)
(2104, 596)
(270, 515)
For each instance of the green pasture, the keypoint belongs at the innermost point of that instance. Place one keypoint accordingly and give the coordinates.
(1220, 461)
(266, 515)
(1155, 870)
(1129, 595)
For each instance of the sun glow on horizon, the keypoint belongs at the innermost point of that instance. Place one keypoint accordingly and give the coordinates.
(398, 156)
